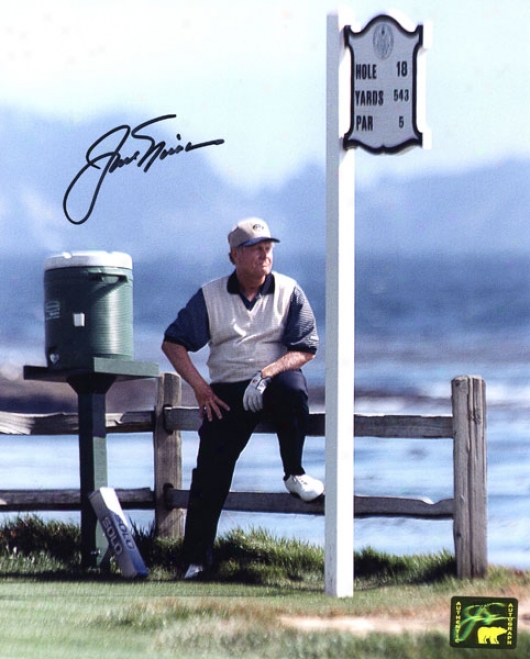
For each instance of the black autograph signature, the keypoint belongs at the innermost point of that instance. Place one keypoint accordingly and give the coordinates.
(107, 159)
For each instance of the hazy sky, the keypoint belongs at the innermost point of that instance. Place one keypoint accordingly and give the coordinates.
(253, 72)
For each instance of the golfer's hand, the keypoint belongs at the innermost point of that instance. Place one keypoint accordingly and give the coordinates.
(209, 403)
(253, 396)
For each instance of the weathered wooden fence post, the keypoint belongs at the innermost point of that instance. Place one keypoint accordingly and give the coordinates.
(470, 491)
(168, 457)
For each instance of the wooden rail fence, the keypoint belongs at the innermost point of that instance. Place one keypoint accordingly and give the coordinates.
(466, 426)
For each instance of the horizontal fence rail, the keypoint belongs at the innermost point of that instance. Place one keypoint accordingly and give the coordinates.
(466, 427)
(364, 506)
(365, 425)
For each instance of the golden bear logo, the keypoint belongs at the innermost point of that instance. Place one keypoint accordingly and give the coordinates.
(490, 635)
(481, 622)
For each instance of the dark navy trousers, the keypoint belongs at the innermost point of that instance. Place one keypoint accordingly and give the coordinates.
(285, 404)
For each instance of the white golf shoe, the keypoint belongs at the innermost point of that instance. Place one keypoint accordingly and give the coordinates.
(305, 487)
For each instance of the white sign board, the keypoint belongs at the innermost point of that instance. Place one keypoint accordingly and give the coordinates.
(387, 90)
(107, 507)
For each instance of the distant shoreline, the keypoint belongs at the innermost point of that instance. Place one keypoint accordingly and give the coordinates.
(30, 397)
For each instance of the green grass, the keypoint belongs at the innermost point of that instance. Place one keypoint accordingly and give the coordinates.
(50, 609)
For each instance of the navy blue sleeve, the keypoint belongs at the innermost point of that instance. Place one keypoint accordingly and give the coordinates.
(191, 328)
(301, 328)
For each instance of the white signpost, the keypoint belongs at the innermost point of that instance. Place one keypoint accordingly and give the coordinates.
(374, 100)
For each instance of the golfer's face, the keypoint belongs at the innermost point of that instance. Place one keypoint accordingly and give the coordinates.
(255, 260)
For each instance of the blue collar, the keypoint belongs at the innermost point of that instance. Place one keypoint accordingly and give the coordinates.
(267, 289)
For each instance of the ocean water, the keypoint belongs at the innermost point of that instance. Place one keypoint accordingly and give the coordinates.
(419, 323)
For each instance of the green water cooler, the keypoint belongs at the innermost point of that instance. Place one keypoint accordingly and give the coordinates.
(88, 308)
(89, 345)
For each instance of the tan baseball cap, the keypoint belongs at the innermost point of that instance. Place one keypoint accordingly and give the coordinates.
(249, 232)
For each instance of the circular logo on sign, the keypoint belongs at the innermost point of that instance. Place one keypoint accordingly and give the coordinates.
(383, 41)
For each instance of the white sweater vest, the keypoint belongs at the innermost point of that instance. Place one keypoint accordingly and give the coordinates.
(243, 341)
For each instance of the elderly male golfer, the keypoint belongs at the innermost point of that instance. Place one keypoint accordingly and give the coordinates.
(260, 330)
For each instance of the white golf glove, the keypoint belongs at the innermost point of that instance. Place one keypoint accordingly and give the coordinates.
(253, 396)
